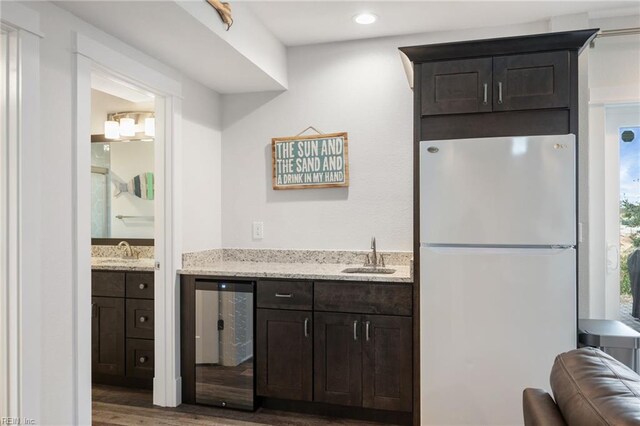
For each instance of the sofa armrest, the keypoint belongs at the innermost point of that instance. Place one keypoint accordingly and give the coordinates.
(540, 409)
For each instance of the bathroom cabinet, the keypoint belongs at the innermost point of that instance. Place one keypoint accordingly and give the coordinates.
(122, 328)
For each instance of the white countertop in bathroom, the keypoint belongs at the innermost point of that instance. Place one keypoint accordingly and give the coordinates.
(120, 264)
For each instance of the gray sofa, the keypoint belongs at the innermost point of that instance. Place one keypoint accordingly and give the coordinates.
(589, 388)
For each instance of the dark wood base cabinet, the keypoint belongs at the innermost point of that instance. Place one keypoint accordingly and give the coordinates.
(363, 360)
(333, 348)
(122, 350)
(284, 348)
(351, 347)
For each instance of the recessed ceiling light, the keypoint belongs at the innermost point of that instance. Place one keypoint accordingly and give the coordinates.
(365, 18)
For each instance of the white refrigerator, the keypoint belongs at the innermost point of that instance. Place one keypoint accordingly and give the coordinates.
(498, 280)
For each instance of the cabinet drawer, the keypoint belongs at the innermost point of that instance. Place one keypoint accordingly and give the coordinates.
(139, 285)
(140, 359)
(365, 298)
(107, 284)
(285, 295)
(139, 318)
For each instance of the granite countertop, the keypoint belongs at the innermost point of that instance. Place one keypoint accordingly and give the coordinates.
(120, 264)
(307, 271)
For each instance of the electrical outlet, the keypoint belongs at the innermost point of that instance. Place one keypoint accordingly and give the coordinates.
(258, 230)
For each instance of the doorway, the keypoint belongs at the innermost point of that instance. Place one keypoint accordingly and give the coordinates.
(622, 207)
(122, 207)
(95, 59)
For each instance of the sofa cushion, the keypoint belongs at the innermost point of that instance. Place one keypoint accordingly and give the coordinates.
(592, 388)
(539, 409)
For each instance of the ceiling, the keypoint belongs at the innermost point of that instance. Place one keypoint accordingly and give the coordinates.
(307, 22)
(167, 32)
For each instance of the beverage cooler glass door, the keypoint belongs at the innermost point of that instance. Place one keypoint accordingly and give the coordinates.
(224, 344)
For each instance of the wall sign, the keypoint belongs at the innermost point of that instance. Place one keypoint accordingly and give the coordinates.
(319, 161)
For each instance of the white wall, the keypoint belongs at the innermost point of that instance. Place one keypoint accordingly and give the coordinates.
(201, 144)
(358, 87)
(202, 173)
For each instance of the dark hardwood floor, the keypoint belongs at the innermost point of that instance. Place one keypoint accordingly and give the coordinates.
(123, 406)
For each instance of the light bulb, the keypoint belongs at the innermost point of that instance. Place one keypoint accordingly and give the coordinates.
(111, 130)
(365, 18)
(150, 126)
(127, 127)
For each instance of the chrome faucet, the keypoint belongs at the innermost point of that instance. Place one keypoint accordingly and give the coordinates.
(127, 249)
(373, 260)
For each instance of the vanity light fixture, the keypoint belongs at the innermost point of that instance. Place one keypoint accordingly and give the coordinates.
(365, 18)
(130, 125)
(150, 126)
(111, 129)
(127, 127)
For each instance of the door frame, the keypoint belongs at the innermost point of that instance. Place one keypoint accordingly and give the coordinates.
(20, 270)
(93, 57)
(612, 125)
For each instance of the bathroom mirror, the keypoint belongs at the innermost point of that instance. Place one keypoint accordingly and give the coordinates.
(122, 190)
(122, 163)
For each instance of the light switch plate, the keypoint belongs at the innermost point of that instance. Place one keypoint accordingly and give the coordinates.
(258, 230)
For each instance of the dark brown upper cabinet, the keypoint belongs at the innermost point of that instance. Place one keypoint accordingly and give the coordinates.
(456, 87)
(531, 81)
(501, 83)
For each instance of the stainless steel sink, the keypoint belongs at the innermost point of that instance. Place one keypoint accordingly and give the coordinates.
(368, 270)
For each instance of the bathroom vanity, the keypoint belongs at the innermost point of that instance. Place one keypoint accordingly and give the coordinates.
(122, 322)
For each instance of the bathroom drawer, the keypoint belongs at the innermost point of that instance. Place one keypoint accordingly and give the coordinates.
(140, 359)
(363, 297)
(285, 294)
(107, 284)
(139, 318)
(140, 285)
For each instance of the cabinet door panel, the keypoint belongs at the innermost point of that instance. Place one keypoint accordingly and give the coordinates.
(338, 358)
(387, 358)
(284, 362)
(531, 81)
(107, 336)
(456, 87)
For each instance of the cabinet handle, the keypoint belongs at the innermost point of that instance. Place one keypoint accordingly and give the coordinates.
(142, 319)
(367, 336)
(499, 92)
(142, 286)
(143, 359)
(485, 89)
(306, 327)
(355, 330)
(285, 295)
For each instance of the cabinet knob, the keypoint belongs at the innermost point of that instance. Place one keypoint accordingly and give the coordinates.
(142, 286)
(142, 319)
(143, 359)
